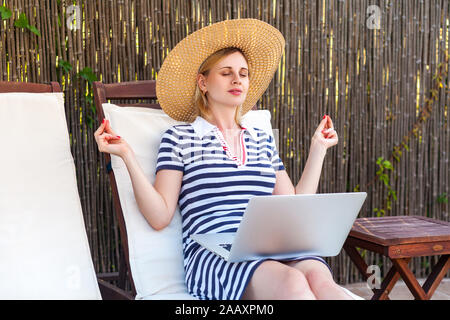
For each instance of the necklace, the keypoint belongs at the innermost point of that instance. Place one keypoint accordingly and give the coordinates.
(240, 161)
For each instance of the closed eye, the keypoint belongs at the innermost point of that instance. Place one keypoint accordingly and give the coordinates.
(227, 74)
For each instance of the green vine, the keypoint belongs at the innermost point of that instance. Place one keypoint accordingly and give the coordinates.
(442, 198)
(22, 22)
(89, 76)
(5, 12)
(386, 165)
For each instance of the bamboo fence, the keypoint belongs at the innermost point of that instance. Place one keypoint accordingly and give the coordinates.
(386, 89)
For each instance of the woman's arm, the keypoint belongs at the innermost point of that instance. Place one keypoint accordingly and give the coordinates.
(324, 138)
(309, 180)
(156, 202)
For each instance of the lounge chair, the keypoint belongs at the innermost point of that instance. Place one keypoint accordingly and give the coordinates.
(44, 250)
(154, 259)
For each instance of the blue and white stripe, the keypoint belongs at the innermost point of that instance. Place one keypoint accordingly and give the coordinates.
(214, 194)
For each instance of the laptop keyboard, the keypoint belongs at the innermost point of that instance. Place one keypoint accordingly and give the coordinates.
(226, 246)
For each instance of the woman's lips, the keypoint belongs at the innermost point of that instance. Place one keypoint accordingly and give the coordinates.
(236, 93)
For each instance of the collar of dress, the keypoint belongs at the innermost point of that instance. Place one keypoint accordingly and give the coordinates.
(202, 127)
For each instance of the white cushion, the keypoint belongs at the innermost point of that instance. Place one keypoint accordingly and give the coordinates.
(351, 294)
(44, 250)
(261, 119)
(156, 257)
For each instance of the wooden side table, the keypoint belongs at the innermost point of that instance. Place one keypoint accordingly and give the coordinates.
(401, 238)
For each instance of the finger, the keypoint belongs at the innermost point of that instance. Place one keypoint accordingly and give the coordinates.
(322, 124)
(101, 128)
(329, 133)
(326, 132)
(109, 129)
(111, 137)
(106, 136)
(332, 135)
(329, 123)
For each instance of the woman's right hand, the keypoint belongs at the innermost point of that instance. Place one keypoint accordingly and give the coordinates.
(108, 141)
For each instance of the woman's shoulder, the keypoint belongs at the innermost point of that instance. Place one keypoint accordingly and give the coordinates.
(179, 132)
(259, 134)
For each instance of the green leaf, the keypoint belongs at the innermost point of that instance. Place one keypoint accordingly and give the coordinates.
(66, 66)
(442, 198)
(387, 165)
(22, 22)
(89, 121)
(89, 100)
(5, 12)
(385, 179)
(406, 146)
(394, 194)
(34, 30)
(88, 75)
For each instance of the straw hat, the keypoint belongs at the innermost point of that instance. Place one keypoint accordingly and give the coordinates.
(262, 44)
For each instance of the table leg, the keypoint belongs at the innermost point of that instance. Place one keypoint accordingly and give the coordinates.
(401, 265)
(387, 285)
(437, 274)
(388, 282)
(357, 260)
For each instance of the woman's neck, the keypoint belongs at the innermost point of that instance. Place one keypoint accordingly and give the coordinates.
(224, 119)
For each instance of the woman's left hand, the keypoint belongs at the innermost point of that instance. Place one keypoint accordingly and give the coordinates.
(325, 134)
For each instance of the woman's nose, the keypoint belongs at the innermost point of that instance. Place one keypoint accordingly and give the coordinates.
(236, 79)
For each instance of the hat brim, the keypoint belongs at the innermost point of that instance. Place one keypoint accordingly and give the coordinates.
(262, 44)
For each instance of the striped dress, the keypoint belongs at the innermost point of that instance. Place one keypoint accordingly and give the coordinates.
(215, 190)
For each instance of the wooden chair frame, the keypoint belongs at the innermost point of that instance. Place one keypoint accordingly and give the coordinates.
(8, 86)
(124, 91)
(107, 290)
(133, 90)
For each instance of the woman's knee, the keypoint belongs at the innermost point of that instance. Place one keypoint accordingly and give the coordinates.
(274, 280)
(294, 285)
(318, 279)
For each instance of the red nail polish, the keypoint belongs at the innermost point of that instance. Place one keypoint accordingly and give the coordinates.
(118, 137)
(324, 117)
(103, 121)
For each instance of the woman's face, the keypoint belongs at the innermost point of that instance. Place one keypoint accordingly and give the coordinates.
(231, 73)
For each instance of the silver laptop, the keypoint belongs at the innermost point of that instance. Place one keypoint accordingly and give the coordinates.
(285, 226)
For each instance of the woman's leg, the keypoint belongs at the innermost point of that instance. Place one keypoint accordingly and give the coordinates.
(275, 280)
(320, 280)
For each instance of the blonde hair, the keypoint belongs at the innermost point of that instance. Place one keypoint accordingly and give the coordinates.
(200, 99)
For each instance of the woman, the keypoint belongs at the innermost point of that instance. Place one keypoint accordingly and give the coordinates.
(212, 165)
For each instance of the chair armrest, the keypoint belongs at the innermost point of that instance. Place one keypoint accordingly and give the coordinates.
(111, 292)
